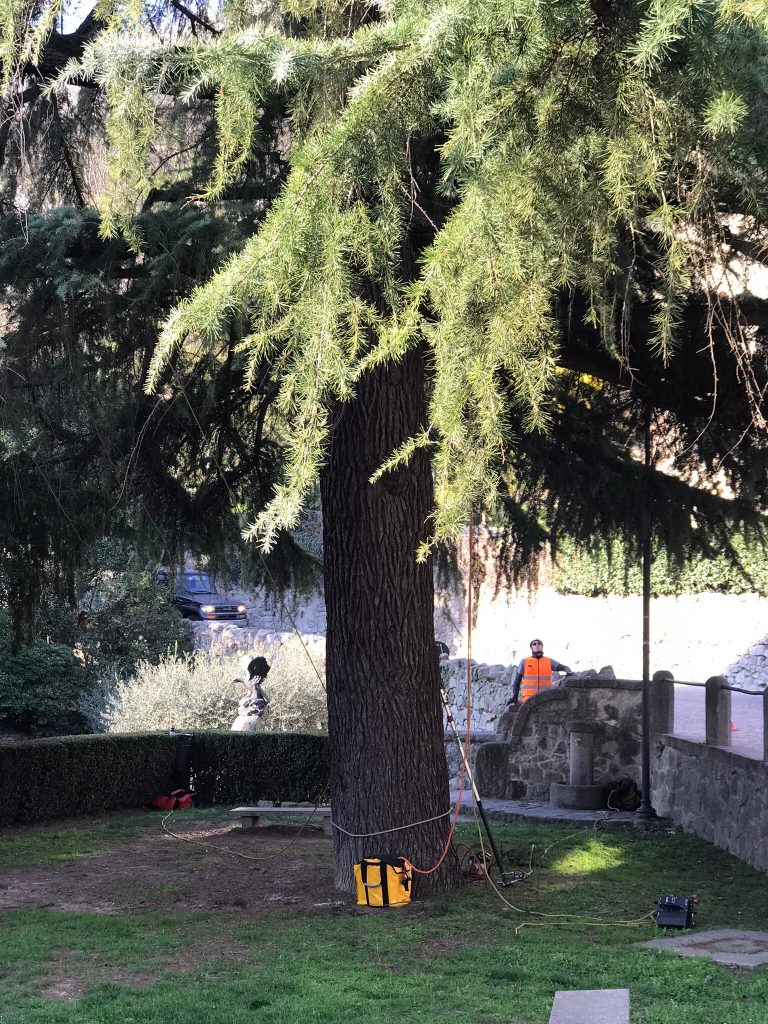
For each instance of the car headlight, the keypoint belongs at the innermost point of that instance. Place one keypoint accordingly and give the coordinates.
(207, 608)
(242, 608)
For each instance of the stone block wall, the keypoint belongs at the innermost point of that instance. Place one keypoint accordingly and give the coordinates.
(719, 795)
(453, 756)
(751, 670)
(692, 636)
(224, 638)
(491, 689)
(531, 751)
(271, 613)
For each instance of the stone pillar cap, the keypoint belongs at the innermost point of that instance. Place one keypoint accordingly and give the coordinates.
(583, 726)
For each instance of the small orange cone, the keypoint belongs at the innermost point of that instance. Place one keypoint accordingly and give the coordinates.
(734, 728)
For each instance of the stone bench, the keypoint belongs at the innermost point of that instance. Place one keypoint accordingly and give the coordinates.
(591, 1006)
(249, 816)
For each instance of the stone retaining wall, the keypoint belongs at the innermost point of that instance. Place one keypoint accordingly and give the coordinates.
(532, 749)
(716, 794)
(453, 757)
(751, 670)
(222, 638)
(491, 689)
(692, 636)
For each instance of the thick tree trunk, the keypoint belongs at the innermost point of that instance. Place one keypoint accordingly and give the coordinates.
(388, 765)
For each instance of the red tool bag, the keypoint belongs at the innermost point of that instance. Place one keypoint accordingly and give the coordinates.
(177, 799)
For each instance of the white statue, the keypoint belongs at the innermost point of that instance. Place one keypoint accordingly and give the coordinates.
(251, 708)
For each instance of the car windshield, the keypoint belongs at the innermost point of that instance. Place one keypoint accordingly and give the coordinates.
(197, 583)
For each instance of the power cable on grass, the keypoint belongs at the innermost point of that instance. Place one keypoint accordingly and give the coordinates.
(236, 853)
(554, 917)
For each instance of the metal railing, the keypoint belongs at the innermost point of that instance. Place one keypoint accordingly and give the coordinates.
(717, 708)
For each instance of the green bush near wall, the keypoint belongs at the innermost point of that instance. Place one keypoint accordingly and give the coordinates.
(41, 683)
(65, 777)
(610, 570)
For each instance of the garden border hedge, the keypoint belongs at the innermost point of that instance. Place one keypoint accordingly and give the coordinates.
(74, 775)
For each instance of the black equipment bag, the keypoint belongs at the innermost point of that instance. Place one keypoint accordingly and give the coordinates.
(623, 795)
(674, 912)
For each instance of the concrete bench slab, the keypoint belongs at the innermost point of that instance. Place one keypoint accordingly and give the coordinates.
(591, 1006)
(249, 816)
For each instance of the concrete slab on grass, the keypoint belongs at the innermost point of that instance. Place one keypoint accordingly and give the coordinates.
(591, 1006)
(729, 947)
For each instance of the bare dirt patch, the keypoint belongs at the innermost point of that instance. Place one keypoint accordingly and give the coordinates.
(195, 867)
(68, 984)
(64, 990)
(441, 947)
(69, 978)
(203, 866)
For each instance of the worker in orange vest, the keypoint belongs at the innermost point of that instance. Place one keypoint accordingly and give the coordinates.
(534, 674)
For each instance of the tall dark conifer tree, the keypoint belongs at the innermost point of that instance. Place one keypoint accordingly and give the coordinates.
(600, 166)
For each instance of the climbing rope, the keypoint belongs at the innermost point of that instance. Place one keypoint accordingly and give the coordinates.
(386, 831)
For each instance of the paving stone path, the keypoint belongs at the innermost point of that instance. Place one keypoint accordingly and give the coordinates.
(591, 1006)
(730, 947)
(520, 810)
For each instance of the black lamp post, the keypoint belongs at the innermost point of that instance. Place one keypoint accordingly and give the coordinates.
(645, 811)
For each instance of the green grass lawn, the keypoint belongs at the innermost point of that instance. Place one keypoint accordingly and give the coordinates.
(463, 957)
(32, 847)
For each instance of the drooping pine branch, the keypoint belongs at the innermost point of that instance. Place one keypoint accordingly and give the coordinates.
(601, 151)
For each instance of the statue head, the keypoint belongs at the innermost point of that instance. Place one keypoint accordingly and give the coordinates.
(258, 668)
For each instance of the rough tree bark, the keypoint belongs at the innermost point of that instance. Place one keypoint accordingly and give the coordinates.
(388, 765)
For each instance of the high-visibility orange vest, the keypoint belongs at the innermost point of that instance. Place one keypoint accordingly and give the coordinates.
(537, 675)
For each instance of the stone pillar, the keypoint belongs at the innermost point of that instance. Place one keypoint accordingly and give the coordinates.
(580, 792)
(580, 755)
(765, 724)
(662, 703)
(718, 712)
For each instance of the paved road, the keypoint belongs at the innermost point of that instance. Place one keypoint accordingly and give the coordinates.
(746, 715)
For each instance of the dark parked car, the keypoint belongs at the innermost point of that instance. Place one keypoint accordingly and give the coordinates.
(196, 598)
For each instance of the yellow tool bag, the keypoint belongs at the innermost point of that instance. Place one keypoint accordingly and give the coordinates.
(383, 881)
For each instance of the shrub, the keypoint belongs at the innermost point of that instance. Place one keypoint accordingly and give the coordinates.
(237, 767)
(129, 618)
(613, 570)
(41, 684)
(196, 691)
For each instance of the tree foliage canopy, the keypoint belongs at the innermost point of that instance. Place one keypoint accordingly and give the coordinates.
(504, 183)
(547, 197)
(83, 452)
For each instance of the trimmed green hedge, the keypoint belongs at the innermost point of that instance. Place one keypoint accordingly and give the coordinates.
(72, 775)
(62, 778)
(236, 767)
